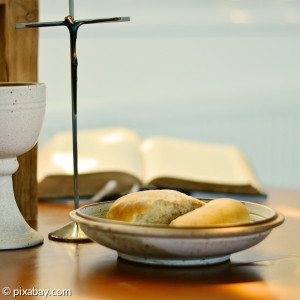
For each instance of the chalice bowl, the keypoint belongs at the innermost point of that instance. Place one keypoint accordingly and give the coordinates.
(22, 110)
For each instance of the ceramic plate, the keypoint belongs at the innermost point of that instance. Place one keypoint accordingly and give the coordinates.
(164, 245)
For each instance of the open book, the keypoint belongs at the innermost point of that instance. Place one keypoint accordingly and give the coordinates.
(119, 153)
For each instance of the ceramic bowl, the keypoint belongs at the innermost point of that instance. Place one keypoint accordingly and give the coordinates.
(22, 110)
(165, 245)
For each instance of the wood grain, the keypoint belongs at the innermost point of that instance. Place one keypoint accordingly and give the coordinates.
(18, 63)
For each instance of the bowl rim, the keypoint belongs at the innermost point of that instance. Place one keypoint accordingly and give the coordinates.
(153, 230)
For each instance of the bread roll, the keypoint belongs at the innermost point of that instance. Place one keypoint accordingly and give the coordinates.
(152, 206)
(223, 211)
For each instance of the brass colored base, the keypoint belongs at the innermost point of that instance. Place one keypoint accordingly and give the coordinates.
(70, 233)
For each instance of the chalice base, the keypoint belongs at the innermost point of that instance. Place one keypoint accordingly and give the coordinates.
(28, 238)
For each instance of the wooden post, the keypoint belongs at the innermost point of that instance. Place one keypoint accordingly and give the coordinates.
(18, 63)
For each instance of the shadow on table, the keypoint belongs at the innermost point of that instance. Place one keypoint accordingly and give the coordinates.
(120, 279)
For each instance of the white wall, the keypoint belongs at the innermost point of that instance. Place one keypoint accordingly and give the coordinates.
(219, 71)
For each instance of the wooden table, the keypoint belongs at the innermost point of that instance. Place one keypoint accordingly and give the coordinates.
(270, 270)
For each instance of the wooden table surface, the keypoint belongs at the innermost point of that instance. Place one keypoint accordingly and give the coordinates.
(269, 270)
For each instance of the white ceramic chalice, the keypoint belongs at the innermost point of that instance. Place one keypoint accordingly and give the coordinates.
(22, 109)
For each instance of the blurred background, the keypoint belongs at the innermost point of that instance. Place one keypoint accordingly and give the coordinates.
(221, 71)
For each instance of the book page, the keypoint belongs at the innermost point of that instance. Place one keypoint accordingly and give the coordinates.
(101, 150)
(195, 161)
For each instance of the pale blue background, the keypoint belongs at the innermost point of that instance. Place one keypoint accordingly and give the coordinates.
(218, 71)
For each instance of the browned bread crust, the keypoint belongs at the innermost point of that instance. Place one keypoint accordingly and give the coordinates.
(152, 207)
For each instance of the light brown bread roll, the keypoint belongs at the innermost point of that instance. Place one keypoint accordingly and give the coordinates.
(152, 207)
(223, 211)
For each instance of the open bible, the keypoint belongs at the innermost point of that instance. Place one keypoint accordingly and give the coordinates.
(119, 154)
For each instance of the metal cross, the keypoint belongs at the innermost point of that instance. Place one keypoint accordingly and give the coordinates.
(73, 26)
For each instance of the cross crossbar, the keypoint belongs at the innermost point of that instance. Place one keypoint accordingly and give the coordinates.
(73, 26)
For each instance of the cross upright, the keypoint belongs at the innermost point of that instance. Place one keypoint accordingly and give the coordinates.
(73, 26)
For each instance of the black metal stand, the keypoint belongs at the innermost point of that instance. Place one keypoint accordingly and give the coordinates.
(70, 232)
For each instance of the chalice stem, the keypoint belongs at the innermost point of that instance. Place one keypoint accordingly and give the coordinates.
(14, 232)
